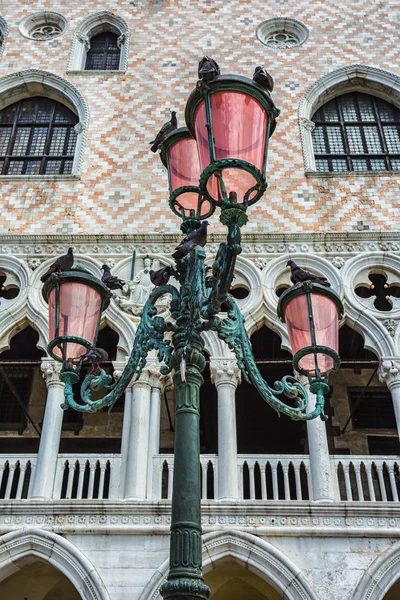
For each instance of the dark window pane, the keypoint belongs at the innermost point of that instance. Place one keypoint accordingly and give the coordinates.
(335, 140)
(359, 164)
(371, 408)
(112, 63)
(348, 108)
(330, 112)
(378, 164)
(387, 112)
(392, 138)
(104, 53)
(68, 166)
(25, 139)
(395, 164)
(339, 165)
(372, 139)
(355, 141)
(322, 165)
(5, 133)
(319, 141)
(366, 108)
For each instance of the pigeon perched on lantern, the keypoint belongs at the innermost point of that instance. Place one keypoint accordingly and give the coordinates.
(299, 275)
(164, 131)
(63, 263)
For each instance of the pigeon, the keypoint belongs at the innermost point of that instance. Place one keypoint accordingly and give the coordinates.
(95, 356)
(111, 281)
(63, 263)
(299, 275)
(161, 276)
(197, 237)
(208, 69)
(264, 79)
(164, 131)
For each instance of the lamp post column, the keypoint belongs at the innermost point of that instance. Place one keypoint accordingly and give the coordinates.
(389, 373)
(320, 463)
(138, 444)
(185, 579)
(46, 465)
(225, 375)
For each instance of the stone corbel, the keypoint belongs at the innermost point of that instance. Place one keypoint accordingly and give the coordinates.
(84, 39)
(121, 40)
(307, 124)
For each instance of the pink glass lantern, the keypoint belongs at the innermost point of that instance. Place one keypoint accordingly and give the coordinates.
(76, 300)
(312, 313)
(179, 154)
(232, 121)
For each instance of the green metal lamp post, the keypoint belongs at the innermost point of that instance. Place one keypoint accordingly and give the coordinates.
(218, 161)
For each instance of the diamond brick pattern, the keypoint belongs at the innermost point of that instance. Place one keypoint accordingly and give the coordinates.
(123, 187)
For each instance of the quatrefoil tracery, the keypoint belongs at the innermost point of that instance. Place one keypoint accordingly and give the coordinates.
(380, 290)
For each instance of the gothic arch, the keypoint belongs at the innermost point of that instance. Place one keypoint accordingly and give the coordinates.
(380, 576)
(17, 547)
(91, 26)
(34, 82)
(361, 78)
(259, 556)
(3, 34)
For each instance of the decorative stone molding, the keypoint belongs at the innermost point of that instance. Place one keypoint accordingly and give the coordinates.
(391, 325)
(362, 78)
(91, 26)
(18, 546)
(3, 34)
(225, 371)
(42, 26)
(33, 82)
(51, 371)
(381, 575)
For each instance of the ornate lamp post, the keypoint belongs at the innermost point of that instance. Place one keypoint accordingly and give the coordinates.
(218, 161)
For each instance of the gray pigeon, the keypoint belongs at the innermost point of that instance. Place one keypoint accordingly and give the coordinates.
(208, 69)
(197, 237)
(111, 281)
(299, 275)
(264, 79)
(161, 276)
(164, 131)
(95, 356)
(63, 263)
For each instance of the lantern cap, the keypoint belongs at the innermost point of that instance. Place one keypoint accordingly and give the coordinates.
(302, 288)
(229, 83)
(79, 275)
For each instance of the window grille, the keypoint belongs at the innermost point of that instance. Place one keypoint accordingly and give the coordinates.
(37, 137)
(357, 132)
(372, 408)
(104, 53)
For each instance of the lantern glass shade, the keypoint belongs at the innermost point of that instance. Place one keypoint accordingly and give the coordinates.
(184, 170)
(239, 130)
(79, 311)
(326, 330)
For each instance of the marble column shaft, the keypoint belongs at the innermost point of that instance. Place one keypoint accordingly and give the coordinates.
(389, 373)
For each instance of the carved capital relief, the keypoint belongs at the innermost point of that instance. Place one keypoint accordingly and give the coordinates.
(50, 371)
(389, 371)
(225, 371)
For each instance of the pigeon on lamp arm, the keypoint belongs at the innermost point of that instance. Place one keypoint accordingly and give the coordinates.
(95, 356)
(298, 275)
(164, 131)
(197, 237)
(264, 79)
(111, 281)
(161, 276)
(63, 263)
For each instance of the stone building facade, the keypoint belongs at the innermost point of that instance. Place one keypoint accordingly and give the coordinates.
(306, 512)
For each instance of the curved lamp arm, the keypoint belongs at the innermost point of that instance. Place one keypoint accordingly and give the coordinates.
(232, 331)
(149, 336)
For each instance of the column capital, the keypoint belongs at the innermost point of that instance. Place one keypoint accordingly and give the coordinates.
(51, 371)
(389, 371)
(149, 376)
(225, 371)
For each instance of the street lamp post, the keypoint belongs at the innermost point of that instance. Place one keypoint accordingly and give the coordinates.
(218, 161)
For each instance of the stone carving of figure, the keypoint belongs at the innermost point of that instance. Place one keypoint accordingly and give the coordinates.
(136, 292)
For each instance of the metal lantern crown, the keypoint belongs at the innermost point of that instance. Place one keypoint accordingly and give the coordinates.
(312, 312)
(231, 118)
(76, 300)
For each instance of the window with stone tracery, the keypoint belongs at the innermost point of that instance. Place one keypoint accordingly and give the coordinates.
(357, 132)
(37, 137)
(104, 53)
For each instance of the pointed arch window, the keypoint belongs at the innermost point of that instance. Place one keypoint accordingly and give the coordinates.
(104, 52)
(37, 137)
(357, 132)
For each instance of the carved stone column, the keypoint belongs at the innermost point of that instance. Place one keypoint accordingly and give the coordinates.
(320, 463)
(46, 465)
(137, 444)
(158, 384)
(225, 375)
(126, 426)
(389, 373)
